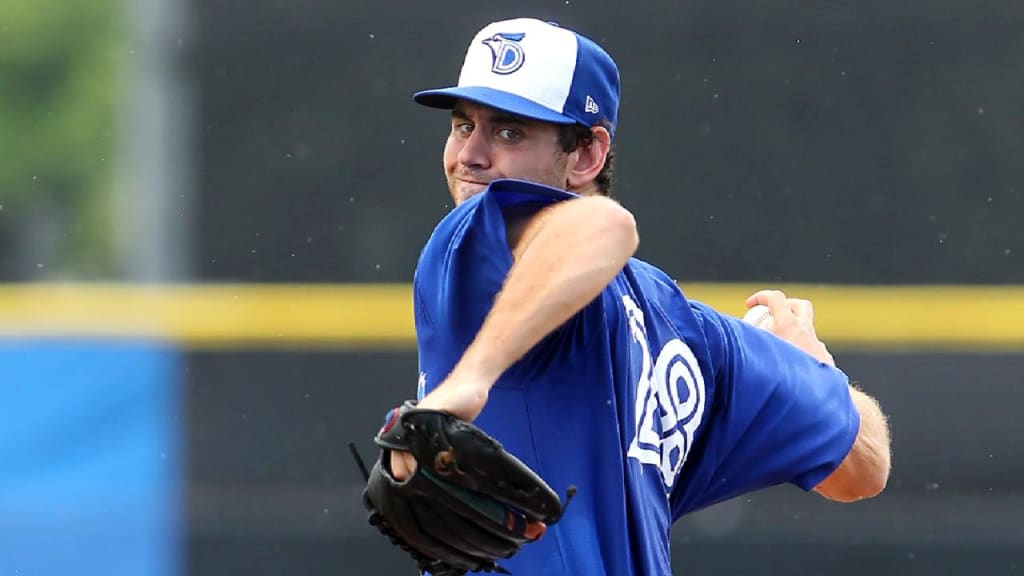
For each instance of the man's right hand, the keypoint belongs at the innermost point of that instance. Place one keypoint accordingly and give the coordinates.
(793, 321)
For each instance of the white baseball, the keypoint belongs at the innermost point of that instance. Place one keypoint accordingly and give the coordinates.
(760, 316)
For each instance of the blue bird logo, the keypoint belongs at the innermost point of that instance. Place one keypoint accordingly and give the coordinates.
(506, 53)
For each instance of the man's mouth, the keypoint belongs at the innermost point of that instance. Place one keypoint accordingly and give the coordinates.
(465, 180)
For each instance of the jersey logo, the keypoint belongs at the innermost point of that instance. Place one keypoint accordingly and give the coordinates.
(670, 400)
(507, 55)
(421, 386)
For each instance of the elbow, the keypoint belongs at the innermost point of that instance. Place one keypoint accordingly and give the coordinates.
(868, 487)
(875, 482)
(604, 226)
(847, 488)
(620, 224)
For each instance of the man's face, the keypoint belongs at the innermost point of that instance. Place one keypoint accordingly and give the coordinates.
(486, 144)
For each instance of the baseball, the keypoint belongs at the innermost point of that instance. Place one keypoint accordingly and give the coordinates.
(759, 315)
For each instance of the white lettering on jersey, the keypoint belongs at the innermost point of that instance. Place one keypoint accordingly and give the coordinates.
(670, 400)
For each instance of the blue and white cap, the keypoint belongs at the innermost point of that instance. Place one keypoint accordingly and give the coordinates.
(538, 70)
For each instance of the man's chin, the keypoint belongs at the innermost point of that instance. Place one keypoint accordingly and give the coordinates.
(466, 190)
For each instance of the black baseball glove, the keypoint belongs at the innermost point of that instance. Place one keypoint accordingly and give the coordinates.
(469, 502)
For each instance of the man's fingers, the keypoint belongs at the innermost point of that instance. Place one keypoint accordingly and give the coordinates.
(775, 300)
(534, 530)
(402, 465)
(802, 309)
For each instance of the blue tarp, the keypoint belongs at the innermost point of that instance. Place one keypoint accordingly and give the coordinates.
(90, 459)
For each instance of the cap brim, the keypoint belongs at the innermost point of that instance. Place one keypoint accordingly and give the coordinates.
(447, 97)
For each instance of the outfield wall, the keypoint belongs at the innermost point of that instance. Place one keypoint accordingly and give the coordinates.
(201, 429)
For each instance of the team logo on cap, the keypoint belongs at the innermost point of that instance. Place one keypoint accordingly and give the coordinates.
(506, 53)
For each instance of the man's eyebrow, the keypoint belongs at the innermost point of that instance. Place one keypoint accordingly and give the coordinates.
(502, 118)
(494, 117)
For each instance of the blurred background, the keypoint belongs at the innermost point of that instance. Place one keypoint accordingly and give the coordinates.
(211, 210)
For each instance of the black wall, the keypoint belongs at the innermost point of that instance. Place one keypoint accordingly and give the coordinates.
(855, 142)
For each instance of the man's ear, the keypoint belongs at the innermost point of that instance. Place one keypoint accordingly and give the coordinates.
(586, 162)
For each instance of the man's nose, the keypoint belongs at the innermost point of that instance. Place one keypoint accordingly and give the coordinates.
(476, 150)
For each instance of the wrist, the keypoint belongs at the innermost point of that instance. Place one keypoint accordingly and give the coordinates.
(480, 366)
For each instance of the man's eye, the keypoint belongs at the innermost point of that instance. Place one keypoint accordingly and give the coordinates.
(509, 134)
(464, 128)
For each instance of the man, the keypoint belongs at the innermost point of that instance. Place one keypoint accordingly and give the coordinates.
(534, 320)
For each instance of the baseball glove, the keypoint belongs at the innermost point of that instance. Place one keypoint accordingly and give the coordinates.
(469, 502)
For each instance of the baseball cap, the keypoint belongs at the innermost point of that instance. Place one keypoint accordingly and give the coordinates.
(538, 70)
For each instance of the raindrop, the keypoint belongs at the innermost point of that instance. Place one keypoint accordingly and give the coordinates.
(326, 511)
(797, 40)
(372, 36)
(402, 141)
(980, 111)
(1006, 252)
(931, 486)
(911, 555)
(1, 207)
(40, 266)
(942, 237)
(377, 267)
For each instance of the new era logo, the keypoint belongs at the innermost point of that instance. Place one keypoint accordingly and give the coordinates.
(591, 107)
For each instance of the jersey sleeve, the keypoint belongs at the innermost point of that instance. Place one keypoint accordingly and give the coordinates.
(461, 270)
(778, 416)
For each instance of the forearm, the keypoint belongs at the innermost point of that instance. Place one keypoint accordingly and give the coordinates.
(865, 470)
(565, 258)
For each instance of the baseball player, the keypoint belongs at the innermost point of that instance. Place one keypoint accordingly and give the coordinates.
(535, 322)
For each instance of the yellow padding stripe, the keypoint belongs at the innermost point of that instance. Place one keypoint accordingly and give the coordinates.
(214, 316)
(973, 318)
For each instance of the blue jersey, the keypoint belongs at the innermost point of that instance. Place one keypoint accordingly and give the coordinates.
(651, 404)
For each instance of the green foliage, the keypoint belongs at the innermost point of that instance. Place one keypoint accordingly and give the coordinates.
(58, 92)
